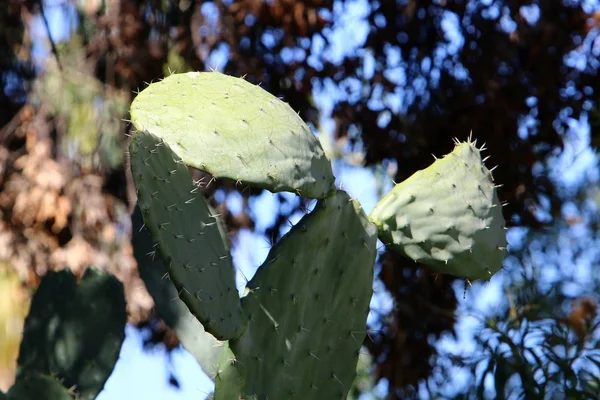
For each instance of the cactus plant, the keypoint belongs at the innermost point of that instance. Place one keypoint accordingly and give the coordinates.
(72, 337)
(298, 329)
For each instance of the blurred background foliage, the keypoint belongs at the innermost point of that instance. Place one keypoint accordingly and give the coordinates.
(385, 83)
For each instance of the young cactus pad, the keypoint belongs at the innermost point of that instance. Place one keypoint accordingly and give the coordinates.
(189, 235)
(447, 216)
(307, 305)
(233, 129)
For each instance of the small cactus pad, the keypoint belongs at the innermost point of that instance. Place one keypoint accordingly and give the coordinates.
(74, 333)
(233, 129)
(189, 235)
(447, 216)
(33, 386)
(202, 345)
(307, 307)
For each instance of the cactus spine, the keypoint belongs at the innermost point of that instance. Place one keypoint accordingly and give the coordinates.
(298, 330)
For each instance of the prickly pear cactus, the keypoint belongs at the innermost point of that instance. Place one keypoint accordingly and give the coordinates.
(447, 216)
(188, 234)
(202, 345)
(298, 330)
(33, 386)
(73, 333)
(307, 307)
(233, 129)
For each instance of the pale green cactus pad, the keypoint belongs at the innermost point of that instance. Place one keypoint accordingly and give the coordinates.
(447, 216)
(307, 308)
(233, 129)
(189, 236)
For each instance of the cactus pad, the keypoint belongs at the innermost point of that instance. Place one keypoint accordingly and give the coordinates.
(202, 345)
(447, 216)
(189, 235)
(233, 129)
(34, 386)
(74, 333)
(307, 308)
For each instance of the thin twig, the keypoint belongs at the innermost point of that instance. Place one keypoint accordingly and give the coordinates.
(52, 44)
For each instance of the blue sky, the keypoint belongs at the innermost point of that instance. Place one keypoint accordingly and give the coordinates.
(143, 374)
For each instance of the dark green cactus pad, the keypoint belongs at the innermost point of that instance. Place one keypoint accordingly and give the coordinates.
(307, 308)
(233, 129)
(202, 345)
(189, 236)
(74, 333)
(447, 216)
(33, 386)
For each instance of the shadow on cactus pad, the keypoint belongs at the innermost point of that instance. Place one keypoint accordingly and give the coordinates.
(73, 333)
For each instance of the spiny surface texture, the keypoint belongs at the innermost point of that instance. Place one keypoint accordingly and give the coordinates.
(74, 333)
(188, 234)
(202, 345)
(307, 308)
(233, 129)
(447, 216)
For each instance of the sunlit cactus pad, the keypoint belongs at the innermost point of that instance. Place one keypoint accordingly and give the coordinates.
(233, 129)
(189, 236)
(307, 308)
(447, 216)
